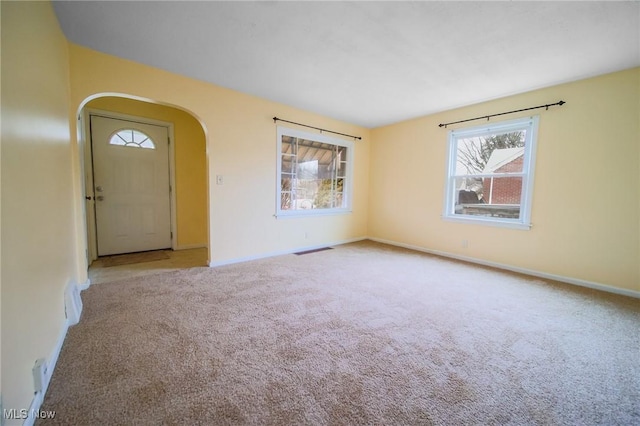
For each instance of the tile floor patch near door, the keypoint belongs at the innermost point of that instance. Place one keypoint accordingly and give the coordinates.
(131, 258)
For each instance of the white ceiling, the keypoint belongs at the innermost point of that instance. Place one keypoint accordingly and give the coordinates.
(368, 63)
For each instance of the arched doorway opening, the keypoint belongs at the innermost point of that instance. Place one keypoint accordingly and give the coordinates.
(187, 168)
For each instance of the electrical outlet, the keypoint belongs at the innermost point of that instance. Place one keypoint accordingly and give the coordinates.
(219, 179)
(465, 243)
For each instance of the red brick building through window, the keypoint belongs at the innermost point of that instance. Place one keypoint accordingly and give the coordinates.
(508, 189)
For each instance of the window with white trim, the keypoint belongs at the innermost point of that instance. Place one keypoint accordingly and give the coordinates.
(314, 174)
(490, 173)
(132, 138)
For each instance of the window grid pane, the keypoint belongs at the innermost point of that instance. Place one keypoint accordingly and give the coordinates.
(312, 174)
(132, 138)
(489, 173)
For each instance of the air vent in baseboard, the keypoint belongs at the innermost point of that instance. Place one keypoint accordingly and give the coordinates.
(313, 251)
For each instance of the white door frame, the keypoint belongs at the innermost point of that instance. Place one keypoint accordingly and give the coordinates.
(92, 241)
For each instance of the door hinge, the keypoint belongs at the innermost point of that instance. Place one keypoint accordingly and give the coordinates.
(171, 234)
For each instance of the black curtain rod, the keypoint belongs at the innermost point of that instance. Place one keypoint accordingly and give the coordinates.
(317, 128)
(560, 103)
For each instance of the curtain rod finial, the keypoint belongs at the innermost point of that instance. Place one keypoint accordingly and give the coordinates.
(561, 103)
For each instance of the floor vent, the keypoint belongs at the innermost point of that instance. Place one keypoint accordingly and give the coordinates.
(313, 251)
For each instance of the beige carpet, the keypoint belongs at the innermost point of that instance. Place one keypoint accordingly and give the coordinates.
(362, 334)
(131, 258)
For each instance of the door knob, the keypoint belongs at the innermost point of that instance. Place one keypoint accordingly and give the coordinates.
(99, 198)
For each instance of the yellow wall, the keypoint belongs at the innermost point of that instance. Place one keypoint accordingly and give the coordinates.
(38, 244)
(585, 211)
(0, 227)
(585, 203)
(241, 146)
(190, 164)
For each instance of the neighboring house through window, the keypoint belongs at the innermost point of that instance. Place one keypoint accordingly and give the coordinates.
(490, 173)
(314, 174)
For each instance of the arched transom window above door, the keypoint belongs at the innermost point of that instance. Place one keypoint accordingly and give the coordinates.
(132, 138)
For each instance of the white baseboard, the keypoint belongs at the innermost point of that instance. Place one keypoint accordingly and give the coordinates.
(73, 310)
(568, 280)
(38, 398)
(72, 303)
(85, 285)
(282, 252)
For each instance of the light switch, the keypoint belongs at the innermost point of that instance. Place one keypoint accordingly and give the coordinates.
(219, 179)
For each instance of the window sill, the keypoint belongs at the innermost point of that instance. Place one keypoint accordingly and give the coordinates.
(310, 213)
(488, 222)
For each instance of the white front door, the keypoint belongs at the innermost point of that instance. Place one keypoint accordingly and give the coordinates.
(131, 185)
